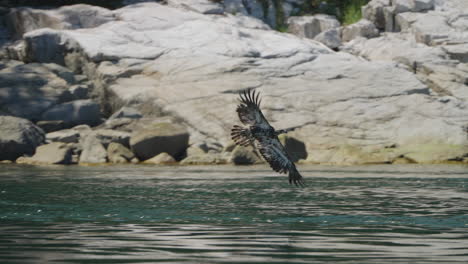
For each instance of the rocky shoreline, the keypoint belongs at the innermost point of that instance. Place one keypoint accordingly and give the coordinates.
(157, 83)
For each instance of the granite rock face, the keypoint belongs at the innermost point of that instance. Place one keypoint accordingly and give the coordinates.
(24, 19)
(311, 26)
(191, 66)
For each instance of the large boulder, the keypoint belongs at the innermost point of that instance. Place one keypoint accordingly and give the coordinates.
(93, 151)
(27, 90)
(330, 38)
(158, 138)
(18, 137)
(53, 153)
(374, 11)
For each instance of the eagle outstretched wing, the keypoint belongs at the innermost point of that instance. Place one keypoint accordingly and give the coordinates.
(249, 110)
(263, 136)
(275, 154)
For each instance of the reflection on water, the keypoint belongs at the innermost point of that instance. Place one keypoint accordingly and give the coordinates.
(126, 214)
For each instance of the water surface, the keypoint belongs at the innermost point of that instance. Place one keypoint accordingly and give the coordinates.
(223, 214)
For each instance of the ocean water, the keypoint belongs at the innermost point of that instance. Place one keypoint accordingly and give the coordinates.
(225, 214)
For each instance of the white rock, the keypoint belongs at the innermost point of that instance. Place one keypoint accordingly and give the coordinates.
(330, 38)
(374, 11)
(65, 136)
(362, 28)
(458, 52)
(118, 153)
(161, 158)
(311, 26)
(192, 66)
(23, 20)
(93, 151)
(200, 6)
(53, 153)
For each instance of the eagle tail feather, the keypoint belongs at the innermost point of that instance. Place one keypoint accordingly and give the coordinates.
(296, 178)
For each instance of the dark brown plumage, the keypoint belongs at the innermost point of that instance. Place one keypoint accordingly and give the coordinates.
(259, 133)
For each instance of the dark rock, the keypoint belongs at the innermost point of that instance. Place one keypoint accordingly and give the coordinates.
(51, 125)
(18, 137)
(244, 156)
(158, 138)
(75, 113)
(295, 148)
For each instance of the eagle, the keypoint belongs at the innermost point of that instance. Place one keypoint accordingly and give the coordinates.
(259, 133)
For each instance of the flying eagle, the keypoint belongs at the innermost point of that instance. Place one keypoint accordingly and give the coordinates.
(259, 133)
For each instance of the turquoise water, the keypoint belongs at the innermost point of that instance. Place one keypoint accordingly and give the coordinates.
(223, 214)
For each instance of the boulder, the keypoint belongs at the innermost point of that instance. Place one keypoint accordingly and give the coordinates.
(118, 153)
(18, 137)
(162, 137)
(53, 153)
(362, 28)
(64, 136)
(75, 113)
(382, 12)
(311, 26)
(93, 151)
(161, 158)
(330, 38)
(374, 11)
(27, 90)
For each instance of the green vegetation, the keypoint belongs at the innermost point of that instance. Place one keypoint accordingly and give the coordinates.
(346, 11)
(352, 12)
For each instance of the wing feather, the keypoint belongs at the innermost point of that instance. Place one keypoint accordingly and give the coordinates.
(274, 153)
(249, 110)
